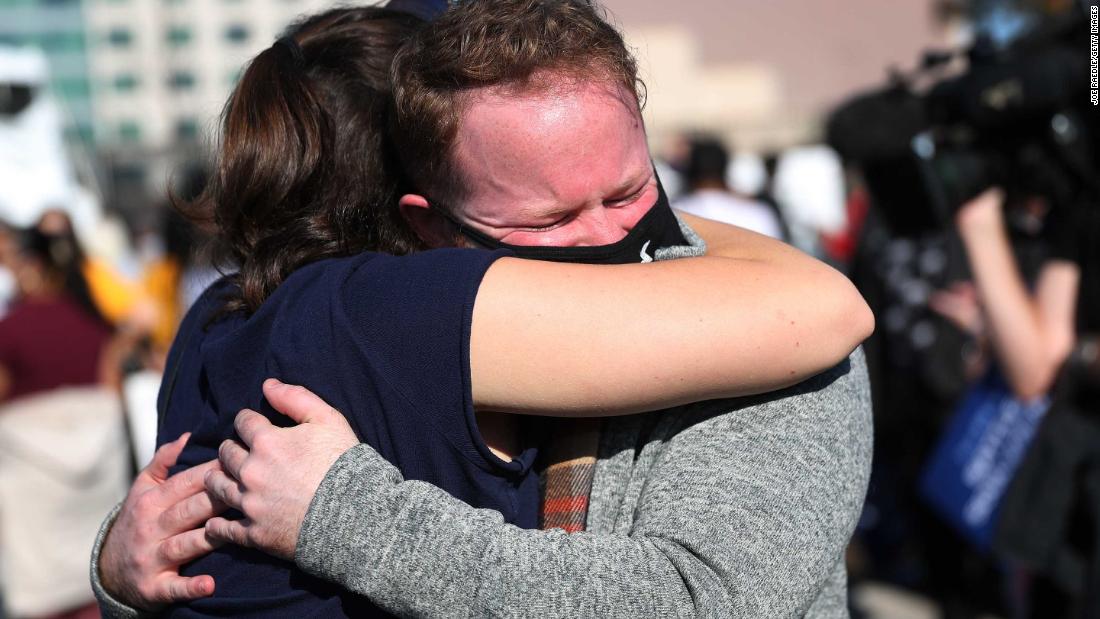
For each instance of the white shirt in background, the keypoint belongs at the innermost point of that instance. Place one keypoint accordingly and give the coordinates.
(726, 207)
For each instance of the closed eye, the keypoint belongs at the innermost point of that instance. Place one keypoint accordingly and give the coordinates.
(568, 217)
(628, 200)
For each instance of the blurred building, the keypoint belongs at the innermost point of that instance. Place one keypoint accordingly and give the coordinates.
(140, 82)
(58, 28)
(145, 73)
(162, 69)
(762, 74)
(36, 174)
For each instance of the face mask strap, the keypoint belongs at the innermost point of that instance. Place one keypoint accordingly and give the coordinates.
(478, 237)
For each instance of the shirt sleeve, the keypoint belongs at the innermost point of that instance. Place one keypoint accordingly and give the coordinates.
(1064, 232)
(411, 316)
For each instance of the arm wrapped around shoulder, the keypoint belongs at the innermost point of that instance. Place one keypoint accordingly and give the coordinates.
(753, 315)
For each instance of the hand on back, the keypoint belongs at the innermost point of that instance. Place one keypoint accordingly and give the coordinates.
(160, 528)
(166, 522)
(273, 476)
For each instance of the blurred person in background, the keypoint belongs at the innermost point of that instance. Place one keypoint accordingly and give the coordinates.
(54, 334)
(808, 185)
(63, 458)
(1033, 329)
(921, 363)
(710, 196)
(840, 246)
(1014, 292)
(1040, 326)
(172, 275)
(671, 162)
(119, 300)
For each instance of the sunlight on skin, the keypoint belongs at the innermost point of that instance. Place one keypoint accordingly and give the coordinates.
(566, 166)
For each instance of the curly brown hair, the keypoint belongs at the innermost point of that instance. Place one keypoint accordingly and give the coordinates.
(514, 44)
(305, 170)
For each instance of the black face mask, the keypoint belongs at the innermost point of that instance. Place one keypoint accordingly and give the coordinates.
(657, 229)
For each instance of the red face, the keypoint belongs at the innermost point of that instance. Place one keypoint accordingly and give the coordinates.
(566, 167)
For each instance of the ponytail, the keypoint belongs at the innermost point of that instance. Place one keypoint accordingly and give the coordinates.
(305, 171)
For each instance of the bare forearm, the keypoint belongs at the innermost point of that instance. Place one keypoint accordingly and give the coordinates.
(1015, 325)
(820, 298)
(752, 316)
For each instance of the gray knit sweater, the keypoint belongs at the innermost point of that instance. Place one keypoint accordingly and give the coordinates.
(741, 508)
(733, 508)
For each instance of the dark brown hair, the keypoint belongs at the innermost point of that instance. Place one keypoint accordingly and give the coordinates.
(62, 261)
(479, 44)
(305, 170)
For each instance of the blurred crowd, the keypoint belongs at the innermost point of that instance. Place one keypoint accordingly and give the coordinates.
(76, 325)
(83, 341)
(985, 490)
(84, 336)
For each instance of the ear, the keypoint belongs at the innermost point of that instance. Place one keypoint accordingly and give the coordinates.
(432, 228)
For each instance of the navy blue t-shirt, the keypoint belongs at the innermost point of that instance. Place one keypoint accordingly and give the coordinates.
(383, 339)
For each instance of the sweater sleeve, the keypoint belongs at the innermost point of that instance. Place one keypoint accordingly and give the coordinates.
(760, 534)
(109, 607)
(416, 551)
(764, 495)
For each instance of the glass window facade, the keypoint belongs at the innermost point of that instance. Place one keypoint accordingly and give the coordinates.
(120, 37)
(59, 29)
(187, 129)
(237, 33)
(62, 42)
(125, 82)
(72, 87)
(129, 131)
(181, 80)
(128, 174)
(79, 133)
(178, 36)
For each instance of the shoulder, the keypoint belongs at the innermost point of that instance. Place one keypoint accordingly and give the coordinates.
(371, 301)
(206, 311)
(379, 282)
(446, 261)
(375, 269)
(210, 301)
